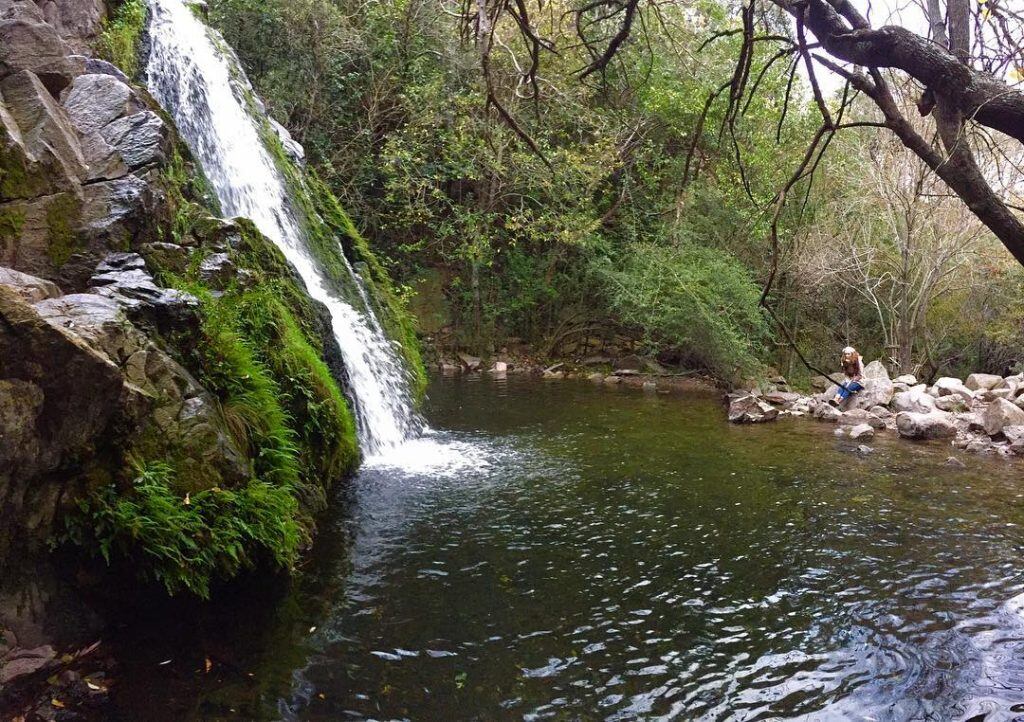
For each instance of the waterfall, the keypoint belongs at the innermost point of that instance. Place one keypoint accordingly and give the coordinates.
(197, 79)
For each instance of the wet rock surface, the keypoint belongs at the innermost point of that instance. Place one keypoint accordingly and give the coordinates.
(983, 415)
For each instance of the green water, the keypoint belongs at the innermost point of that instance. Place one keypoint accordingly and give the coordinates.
(610, 554)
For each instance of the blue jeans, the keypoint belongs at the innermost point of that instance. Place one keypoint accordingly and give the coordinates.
(848, 389)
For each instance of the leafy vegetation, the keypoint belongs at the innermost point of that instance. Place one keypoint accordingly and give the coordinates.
(187, 541)
(535, 247)
(119, 42)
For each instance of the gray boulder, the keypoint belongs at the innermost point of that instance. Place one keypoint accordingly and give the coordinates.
(934, 425)
(952, 403)
(999, 414)
(123, 278)
(140, 139)
(856, 417)
(78, 22)
(908, 379)
(984, 382)
(878, 388)
(948, 385)
(826, 412)
(96, 100)
(44, 129)
(749, 409)
(217, 270)
(30, 288)
(861, 431)
(28, 42)
(914, 401)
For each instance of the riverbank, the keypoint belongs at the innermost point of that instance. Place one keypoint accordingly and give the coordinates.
(628, 371)
(982, 414)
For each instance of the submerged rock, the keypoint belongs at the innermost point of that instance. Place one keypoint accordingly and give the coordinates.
(749, 409)
(862, 431)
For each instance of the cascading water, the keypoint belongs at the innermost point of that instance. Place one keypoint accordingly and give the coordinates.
(196, 79)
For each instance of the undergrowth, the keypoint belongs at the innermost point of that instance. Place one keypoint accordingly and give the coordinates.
(119, 41)
(185, 542)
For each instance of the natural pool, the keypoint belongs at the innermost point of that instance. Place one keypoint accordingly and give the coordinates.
(584, 552)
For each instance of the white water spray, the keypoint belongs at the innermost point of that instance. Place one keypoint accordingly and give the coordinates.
(196, 78)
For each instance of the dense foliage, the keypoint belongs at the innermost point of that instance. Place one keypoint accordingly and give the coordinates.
(635, 179)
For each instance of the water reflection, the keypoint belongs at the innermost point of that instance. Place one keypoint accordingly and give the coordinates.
(591, 554)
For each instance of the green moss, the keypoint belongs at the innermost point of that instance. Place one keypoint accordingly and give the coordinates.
(392, 307)
(263, 359)
(12, 220)
(119, 41)
(186, 542)
(284, 409)
(62, 241)
(324, 424)
(330, 232)
(15, 179)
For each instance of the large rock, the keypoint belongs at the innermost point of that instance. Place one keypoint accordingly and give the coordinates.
(175, 417)
(26, 173)
(914, 400)
(28, 42)
(44, 127)
(1015, 435)
(948, 385)
(878, 388)
(857, 417)
(78, 22)
(123, 277)
(30, 288)
(861, 431)
(952, 402)
(140, 139)
(934, 425)
(749, 409)
(984, 382)
(63, 237)
(96, 100)
(1001, 413)
(59, 400)
(826, 412)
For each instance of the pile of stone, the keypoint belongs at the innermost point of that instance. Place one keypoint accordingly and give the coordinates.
(982, 414)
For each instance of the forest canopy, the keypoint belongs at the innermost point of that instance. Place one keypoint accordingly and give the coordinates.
(707, 183)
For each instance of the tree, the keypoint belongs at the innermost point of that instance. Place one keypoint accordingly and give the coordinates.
(898, 241)
(958, 70)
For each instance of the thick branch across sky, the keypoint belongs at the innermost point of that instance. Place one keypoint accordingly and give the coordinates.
(979, 96)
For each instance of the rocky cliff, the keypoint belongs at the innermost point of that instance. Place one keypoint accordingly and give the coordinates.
(168, 391)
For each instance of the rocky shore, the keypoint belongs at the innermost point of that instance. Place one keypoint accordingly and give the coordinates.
(983, 413)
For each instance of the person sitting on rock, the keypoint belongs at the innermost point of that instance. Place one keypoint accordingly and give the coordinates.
(853, 369)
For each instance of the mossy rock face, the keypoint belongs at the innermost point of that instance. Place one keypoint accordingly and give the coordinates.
(336, 243)
(63, 214)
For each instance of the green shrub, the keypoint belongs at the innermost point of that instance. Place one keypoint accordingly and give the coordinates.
(119, 41)
(699, 300)
(185, 542)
